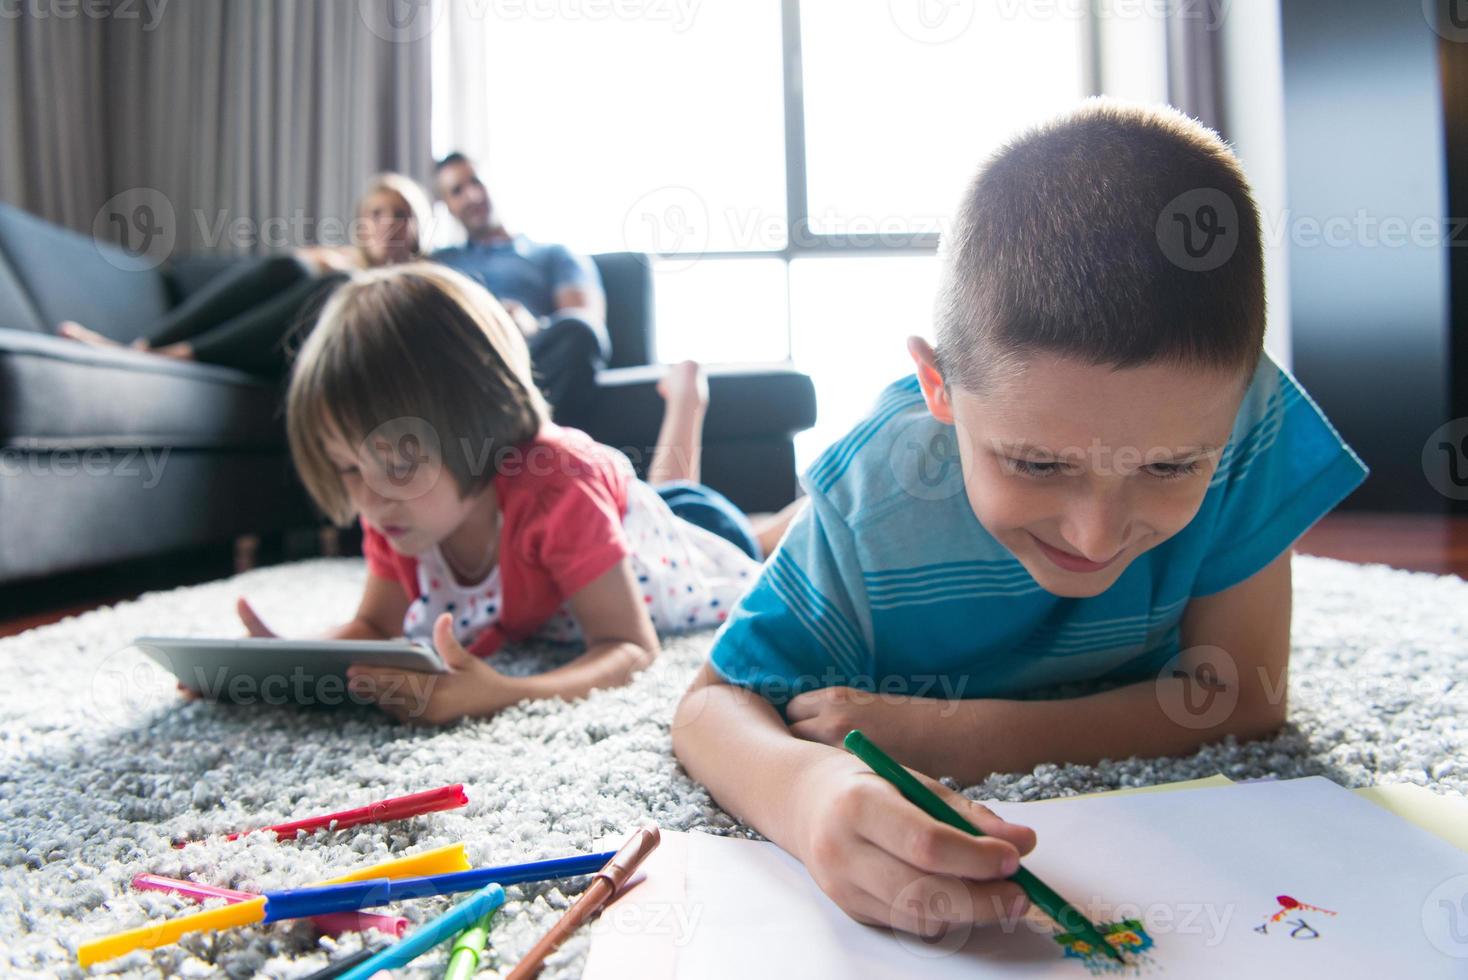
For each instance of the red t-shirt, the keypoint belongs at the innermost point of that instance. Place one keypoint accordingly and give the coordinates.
(562, 497)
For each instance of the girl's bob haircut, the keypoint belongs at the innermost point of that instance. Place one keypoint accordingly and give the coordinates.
(419, 359)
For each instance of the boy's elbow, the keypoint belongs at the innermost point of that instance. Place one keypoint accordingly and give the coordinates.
(690, 710)
(1261, 717)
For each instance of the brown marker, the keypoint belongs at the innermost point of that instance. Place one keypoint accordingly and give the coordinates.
(604, 884)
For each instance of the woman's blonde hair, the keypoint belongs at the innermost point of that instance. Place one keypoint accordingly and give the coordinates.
(412, 195)
(412, 348)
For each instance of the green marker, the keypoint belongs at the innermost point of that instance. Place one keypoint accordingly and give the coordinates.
(1069, 917)
(464, 960)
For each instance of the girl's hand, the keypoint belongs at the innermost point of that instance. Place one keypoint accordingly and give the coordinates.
(470, 688)
(254, 625)
(886, 862)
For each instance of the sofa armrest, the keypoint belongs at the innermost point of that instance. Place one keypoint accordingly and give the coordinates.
(753, 401)
(754, 412)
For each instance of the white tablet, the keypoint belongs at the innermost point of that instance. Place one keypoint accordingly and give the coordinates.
(280, 671)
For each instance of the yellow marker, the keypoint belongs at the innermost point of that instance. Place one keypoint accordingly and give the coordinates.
(441, 860)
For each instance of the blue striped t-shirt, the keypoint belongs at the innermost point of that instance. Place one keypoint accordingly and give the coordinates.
(888, 582)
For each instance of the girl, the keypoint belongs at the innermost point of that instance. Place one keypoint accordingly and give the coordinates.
(242, 317)
(412, 407)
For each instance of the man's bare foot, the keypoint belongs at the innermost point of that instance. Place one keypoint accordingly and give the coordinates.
(685, 385)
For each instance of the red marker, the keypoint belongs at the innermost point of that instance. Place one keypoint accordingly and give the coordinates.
(397, 808)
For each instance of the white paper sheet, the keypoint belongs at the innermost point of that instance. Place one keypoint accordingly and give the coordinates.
(1370, 895)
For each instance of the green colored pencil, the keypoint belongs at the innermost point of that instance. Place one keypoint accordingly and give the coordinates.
(468, 948)
(1069, 917)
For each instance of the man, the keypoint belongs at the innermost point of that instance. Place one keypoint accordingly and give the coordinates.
(554, 295)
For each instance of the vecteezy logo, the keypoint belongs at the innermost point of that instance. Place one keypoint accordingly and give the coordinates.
(932, 21)
(925, 459)
(932, 904)
(1445, 459)
(141, 222)
(1445, 917)
(672, 222)
(127, 687)
(400, 21)
(1199, 688)
(405, 456)
(1449, 18)
(1199, 229)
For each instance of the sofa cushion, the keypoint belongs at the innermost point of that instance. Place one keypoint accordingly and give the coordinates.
(72, 277)
(57, 393)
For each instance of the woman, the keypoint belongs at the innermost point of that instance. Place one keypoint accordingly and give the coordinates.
(244, 317)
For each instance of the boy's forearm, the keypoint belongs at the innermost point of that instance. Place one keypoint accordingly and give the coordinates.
(1145, 719)
(734, 743)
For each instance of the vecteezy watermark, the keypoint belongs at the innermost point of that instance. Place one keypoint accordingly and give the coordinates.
(1101, 459)
(1449, 18)
(1199, 229)
(936, 915)
(675, 920)
(676, 223)
(925, 460)
(1445, 917)
(938, 911)
(668, 221)
(150, 12)
(404, 21)
(940, 21)
(300, 687)
(1363, 229)
(142, 224)
(1445, 459)
(400, 21)
(1199, 688)
(932, 21)
(127, 687)
(403, 457)
(146, 463)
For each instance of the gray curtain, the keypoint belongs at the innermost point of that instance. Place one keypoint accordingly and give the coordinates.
(253, 120)
(1193, 59)
(53, 126)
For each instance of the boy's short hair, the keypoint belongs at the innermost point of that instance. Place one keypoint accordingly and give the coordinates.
(1074, 238)
(409, 347)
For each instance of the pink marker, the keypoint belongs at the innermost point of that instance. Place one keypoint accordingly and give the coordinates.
(328, 925)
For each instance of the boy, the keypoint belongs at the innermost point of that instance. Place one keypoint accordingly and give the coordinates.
(1096, 475)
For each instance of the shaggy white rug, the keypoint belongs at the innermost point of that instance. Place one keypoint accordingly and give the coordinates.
(103, 766)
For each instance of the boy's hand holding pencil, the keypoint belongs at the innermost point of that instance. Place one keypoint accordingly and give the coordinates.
(885, 862)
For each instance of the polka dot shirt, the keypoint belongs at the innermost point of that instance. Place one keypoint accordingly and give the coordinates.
(689, 578)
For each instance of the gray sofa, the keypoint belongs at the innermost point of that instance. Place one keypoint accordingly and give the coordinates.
(108, 455)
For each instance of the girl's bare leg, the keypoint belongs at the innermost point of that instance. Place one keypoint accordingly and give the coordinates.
(677, 456)
(770, 528)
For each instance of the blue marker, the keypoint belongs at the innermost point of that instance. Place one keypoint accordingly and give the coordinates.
(351, 896)
(441, 929)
